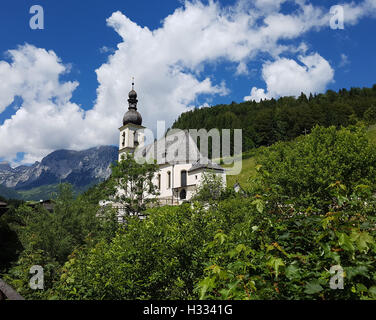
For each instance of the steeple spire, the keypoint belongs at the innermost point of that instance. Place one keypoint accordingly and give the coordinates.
(132, 115)
(132, 98)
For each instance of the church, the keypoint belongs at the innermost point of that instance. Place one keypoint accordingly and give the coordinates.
(181, 165)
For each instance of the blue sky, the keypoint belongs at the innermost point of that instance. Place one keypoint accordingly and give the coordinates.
(79, 95)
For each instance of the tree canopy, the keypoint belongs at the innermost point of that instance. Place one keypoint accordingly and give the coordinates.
(269, 121)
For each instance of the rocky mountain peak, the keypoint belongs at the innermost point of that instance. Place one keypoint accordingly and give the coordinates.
(80, 168)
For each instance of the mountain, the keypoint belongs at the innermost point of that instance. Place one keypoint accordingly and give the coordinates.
(79, 168)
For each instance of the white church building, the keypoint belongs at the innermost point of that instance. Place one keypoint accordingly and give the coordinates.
(181, 165)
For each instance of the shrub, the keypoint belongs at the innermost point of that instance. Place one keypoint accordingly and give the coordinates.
(305, 168)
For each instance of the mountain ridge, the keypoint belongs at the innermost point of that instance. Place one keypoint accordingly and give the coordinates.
(79, 168)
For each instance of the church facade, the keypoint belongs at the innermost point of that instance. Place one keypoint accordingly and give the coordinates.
(181, 165)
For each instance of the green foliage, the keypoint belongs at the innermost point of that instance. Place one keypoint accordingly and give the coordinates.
(285, 255)
(48, 238)
(19, 275)
(157, 258)
(10, 246)
(305, 168)
(57, 233)
(45, 192)
(370, 115)
(266, 122)
(235, 250)
(136, 184)
(39, 193)
(211, 188)
(8, 193)
(311, 206)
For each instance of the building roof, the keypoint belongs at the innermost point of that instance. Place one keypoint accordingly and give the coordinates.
(202, 165)
(178, 147)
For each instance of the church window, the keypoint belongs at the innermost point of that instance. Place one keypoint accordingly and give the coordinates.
(159, 181)
(169, 180)
(184, 178)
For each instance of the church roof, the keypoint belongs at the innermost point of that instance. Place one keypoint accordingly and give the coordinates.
(178, 147)
(174, 148)
(209, 165)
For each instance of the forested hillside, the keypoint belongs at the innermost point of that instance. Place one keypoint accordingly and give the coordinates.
(269, 121)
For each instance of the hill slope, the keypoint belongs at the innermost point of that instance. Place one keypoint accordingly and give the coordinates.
(269, 121)
(8, 193)
(249, 164)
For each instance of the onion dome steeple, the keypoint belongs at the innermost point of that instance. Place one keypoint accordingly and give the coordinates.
(132, 116)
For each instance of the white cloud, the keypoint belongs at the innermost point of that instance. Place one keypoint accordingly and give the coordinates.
(47, 119)
(257, 95)
(34, 75)
(285, 77)
(269, 5)
(168, 64)
(353, 11)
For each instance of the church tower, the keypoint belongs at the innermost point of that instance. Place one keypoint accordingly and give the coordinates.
(132, 131)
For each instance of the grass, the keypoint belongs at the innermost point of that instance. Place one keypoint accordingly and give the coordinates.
(39, 193)
(247, 173)
(371, 133)
(46, 192)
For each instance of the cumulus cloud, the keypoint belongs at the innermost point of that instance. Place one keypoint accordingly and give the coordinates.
(47, 119)
(168, 64)
(286, 77)
(34, 75)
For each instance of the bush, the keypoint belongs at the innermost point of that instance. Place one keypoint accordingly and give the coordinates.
(285, 255)
(305, 168)
(157, 258)
(210, 189)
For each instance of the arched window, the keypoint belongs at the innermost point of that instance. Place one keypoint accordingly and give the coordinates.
(159, 181)
(168, 180)
(183, 194)
(184, 178)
